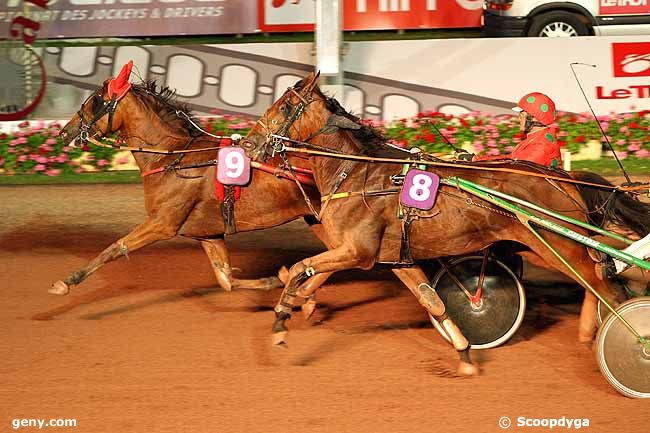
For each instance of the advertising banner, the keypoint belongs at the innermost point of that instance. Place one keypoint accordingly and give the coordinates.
(114, 18)
(624, 7)
(292, 15)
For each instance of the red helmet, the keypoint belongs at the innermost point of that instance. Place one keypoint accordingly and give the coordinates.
(538, 105)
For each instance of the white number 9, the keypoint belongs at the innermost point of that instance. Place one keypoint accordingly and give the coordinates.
(420, 190)
(234, 164)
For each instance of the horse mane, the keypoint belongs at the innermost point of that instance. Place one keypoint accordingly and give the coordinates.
(164, 102)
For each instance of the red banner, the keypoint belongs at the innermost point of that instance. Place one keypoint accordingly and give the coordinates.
(624, 7)
(298, 15)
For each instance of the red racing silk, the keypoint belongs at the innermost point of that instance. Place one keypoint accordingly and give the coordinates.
(540, 147)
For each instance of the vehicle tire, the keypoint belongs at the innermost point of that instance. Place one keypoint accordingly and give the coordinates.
(557, 24)
(623, 359)
(503, 301)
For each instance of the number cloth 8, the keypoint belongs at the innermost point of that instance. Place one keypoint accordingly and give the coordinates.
(420, 189)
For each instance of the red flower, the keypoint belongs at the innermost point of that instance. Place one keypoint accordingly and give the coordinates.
(421, 115)
(633, 125)
(463, 122)
(561, 143)
(429, 137)
(579, 139)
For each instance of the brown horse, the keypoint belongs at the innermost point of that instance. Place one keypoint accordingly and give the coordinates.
(181, 202)
(364, 228)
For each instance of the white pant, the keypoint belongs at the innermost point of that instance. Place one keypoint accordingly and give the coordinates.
(640, 249)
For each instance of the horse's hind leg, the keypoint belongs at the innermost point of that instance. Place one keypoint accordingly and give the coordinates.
(146, 233)
(220, 260)
(418, 283)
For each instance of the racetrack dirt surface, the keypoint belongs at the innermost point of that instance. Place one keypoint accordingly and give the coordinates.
(150, 344)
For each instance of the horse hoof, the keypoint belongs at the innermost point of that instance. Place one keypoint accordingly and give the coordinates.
(467, 369)
(283, 275)
(59, 288)
(308, 309)
(279, 339)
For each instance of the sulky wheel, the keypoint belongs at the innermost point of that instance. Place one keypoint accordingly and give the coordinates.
(496, 316)
(622, 358)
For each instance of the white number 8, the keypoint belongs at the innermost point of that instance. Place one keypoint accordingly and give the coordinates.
(234, 164)
(420, 190)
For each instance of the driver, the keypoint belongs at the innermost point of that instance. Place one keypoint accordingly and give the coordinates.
(536, 115)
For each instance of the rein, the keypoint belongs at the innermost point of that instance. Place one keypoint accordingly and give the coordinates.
(349, 156)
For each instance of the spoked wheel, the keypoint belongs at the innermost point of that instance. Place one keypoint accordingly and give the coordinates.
(498, 313)
(23, 82)
(622, 358)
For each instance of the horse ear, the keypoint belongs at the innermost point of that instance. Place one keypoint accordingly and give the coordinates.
(119, 85)
(312, 81)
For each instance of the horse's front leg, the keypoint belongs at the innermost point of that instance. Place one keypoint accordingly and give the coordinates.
(338, 259)
(418, 283)
(220, 260)
(146, 233)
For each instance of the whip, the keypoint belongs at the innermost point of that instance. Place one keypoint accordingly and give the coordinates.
(596, 118)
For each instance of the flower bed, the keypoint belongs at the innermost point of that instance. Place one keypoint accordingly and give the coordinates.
(35, 147)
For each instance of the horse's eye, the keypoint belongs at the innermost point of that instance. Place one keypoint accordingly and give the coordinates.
(284, 108)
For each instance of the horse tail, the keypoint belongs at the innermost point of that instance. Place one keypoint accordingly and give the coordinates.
(620, 207)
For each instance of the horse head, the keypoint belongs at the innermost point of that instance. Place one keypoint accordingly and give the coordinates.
(294, 115)
(103, 112)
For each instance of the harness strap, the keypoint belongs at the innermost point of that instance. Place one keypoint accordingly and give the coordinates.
(347, 167)
(362, 193)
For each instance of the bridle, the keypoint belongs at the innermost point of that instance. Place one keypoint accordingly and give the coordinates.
(89, 129)
(274, 140)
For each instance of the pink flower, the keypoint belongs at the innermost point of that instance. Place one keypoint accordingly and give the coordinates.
(633, 147)
(102, 163)
(622, 155)
(66, 149)
(21, 140)
(2, 160)
(13, 142)
(123, 160)
(39, 167)
(79, 170)
(90, 158)
(61, 158)
(478, 146)
(22, 158)
(493, 152)
(53, 172)
(41, 160)
(504, 141)
(509, 149)
(50, 141)
(642, 153)
(492, 143)
(624, 129)
(620, 142)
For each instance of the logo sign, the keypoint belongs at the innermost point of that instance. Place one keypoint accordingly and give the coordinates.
(631, 59)
(623, 7)
(294, 15)
(234, 167)
(420, 189)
